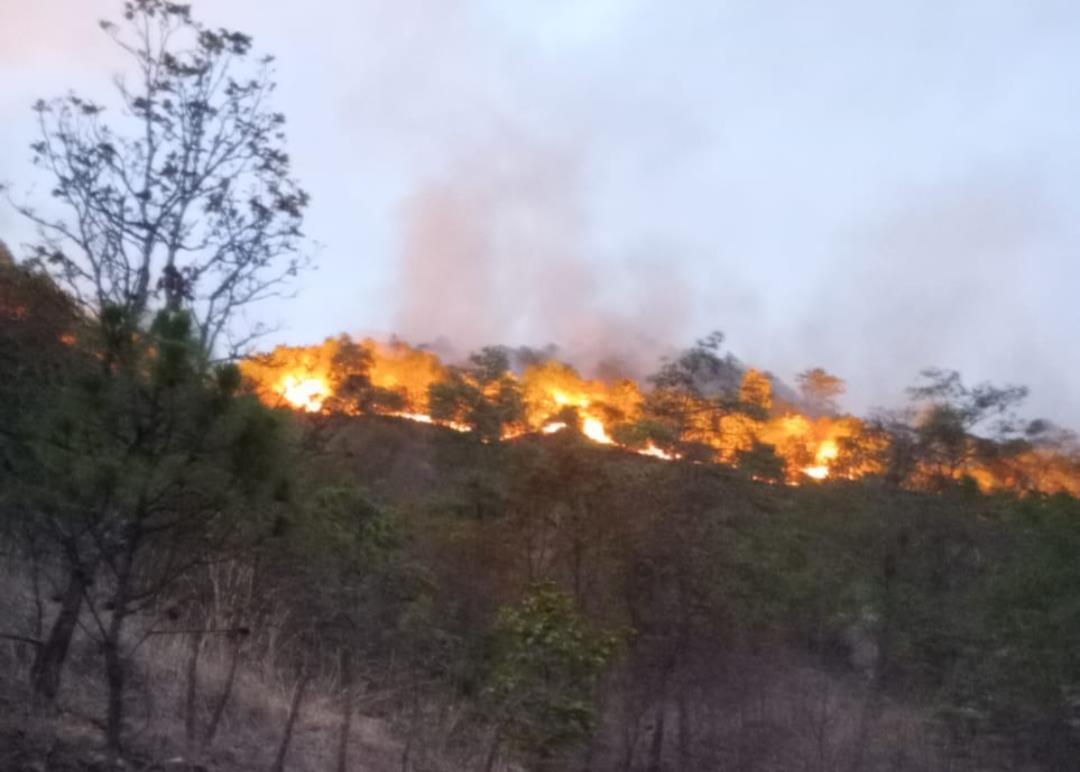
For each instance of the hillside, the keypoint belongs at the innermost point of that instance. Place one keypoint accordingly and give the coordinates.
(833, 626)
(618, 548)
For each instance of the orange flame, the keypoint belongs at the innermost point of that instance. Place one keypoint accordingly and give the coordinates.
(309, 378)
(302, 393)
(826, 453)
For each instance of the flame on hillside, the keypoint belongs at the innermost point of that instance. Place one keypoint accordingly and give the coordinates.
(555, 397)
(303, 393)
(826, 454)
(395, 379)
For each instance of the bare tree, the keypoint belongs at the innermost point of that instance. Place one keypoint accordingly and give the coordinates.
(955, 419)
(820, 389)
(186, 199)
(972, 406)
(178, 207)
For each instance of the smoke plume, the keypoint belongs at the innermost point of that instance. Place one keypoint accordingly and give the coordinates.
(497, 250)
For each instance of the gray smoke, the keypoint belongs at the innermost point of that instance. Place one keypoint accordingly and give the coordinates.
(496, 250)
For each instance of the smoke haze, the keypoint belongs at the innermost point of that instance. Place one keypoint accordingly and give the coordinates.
(496, 251)
(867, 187)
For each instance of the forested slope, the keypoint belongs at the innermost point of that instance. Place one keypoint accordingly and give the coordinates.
(357, 556)
(546, 602)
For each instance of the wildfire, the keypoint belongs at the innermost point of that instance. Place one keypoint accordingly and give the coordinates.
(655, 452)
(424, 418)
(594, 430)
(395, 379)
(302, 393)
(419, 417)
(827, 451)
(305, 377)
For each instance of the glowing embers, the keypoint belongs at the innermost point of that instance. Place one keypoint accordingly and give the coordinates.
(395, 380)
(303, 393)
(424, 418)
(826, 454)
(655, 452)
(591, 427)
(594, 430)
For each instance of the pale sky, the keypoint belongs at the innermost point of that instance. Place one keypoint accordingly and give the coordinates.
(872, 187)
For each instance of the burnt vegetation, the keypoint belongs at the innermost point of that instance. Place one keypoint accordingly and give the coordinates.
(356, 556)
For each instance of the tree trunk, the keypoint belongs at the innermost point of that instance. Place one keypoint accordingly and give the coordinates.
(114, 678)
(294, 713)
(656, 752)
(876, 689)
(493, 751)
(226, 693)
(414, 722)
(630, 737)
(35, 580)
(346, 710)
(191, 693)
(587, 760)
(685, 736)
(114, 660)
(49, 659)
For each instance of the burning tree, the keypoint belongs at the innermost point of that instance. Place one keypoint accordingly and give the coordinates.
(482, 396)
(947, 431)
(692, 394)
(703, 405)
(819, 389)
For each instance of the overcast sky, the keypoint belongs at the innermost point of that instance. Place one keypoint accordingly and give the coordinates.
(872, 187)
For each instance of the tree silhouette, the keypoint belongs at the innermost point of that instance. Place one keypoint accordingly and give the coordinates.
(182, 199)
(820, 389)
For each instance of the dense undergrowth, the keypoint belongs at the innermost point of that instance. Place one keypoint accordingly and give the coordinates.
(558, 605)
(192, 579)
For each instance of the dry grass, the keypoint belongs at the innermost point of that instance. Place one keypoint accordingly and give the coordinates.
(772, 714)
(69, 735)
